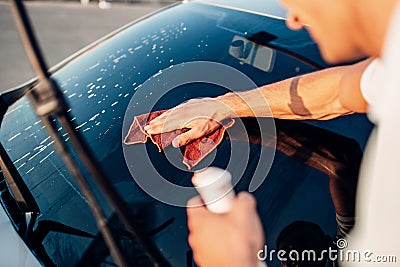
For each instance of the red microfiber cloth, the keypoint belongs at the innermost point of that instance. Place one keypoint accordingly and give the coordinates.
(194, 151)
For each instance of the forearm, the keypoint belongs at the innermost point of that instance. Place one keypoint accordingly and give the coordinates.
(317, 95)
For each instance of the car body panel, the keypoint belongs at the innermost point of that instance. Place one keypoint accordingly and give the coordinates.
(271, 8)
(13, 250)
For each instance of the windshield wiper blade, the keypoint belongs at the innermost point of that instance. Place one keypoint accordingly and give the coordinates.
(20, 192)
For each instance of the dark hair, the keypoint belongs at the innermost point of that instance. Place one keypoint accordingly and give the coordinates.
(302, 236)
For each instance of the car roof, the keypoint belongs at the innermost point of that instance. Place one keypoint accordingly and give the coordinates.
(271, 8)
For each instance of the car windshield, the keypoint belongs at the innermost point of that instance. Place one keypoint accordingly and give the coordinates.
(99, 86)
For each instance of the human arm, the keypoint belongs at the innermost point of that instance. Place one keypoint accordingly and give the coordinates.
(322, 95)
(230, 239)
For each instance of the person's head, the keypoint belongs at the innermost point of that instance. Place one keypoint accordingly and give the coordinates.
(303, 243)
(339, 27)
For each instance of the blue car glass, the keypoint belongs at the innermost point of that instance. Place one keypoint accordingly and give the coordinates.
(99, 86)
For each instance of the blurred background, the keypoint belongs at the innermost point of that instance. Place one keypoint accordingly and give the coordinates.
(62, 28)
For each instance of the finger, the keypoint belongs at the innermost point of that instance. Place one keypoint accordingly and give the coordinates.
(187, 137)
(195, 202)
(191, 240)
(172, 120)
(195, 210)
(156, 125)
(198, 129)
(246, 212)
(195, 205)
(244, 202)
(154, 128)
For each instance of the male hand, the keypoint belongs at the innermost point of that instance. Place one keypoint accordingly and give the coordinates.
(201, 116)
(225, 240)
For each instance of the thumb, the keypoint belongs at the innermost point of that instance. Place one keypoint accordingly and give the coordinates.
(244, 202)
(245, 211)
(195, 210)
